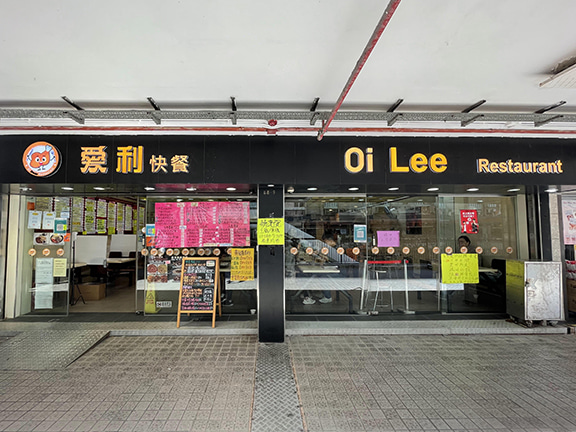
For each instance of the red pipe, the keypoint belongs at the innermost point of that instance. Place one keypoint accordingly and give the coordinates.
(233, 130)
(386, 17)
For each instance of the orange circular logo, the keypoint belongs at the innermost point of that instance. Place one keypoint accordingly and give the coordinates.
(41, 159)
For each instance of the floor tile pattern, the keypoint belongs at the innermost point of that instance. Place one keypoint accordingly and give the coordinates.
(138, 384)
(46, 349)
(437, 383)
(276, 405)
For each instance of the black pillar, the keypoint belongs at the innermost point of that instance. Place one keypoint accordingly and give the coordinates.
(545, 228)
(271, 270)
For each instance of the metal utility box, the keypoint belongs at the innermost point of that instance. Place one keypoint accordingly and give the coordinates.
(534, 291)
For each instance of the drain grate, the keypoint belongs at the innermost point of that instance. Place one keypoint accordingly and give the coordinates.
(276, 405)
(47, 349)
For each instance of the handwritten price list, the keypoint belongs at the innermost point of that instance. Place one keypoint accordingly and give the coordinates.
(271, 231)
(242, 265)
(459, 268)
(198, 285)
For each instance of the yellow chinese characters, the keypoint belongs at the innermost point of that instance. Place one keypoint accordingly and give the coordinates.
(94, 160)
(179, 163)
(158, 163)
(130, 160)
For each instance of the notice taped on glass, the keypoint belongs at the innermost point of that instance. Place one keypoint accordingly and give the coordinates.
(199, 290)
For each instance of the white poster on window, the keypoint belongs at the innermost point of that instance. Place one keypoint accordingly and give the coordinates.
(34, 219)
(43, 297)
(44, 271)
(569, 221)
(48, 220)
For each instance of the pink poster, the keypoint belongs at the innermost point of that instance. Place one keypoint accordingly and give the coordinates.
(169, 224)
(202, 224)
(569, 219)
(388, 238)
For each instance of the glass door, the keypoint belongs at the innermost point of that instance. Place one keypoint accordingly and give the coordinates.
(402, 267)
(486, 226)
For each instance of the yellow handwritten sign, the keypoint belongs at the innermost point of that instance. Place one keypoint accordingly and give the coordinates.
(242, 264)
(459, 268)
(271, 231)
(60, 267)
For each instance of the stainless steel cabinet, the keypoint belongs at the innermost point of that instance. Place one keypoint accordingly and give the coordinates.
(534, 291)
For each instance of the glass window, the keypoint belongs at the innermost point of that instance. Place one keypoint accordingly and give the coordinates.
(198, 227)
(493, 238)
(326, 240)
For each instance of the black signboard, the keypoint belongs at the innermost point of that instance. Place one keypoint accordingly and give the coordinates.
(82, 159)
(199, 290)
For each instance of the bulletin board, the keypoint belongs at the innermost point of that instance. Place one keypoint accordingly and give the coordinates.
(199, 288)
(91, 250)
(124, 243)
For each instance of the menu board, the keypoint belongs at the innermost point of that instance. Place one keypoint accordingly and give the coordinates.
(90, 215)
(199, 291)
(43, 204)
(459, 268)
(102, 208)
(77, 214)
(120, 218)
(61, 204)
(128, 218)
(111, 218)
(202, 224)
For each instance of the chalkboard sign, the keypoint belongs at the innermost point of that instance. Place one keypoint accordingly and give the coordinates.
(199, 289)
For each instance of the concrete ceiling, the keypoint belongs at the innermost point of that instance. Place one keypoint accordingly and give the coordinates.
(439, 56)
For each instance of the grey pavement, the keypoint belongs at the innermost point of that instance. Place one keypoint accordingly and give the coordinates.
(481, 382)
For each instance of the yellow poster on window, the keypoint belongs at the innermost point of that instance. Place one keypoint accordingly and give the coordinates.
(242, 264)
(60, 267)
(271, 231)
(459, 268)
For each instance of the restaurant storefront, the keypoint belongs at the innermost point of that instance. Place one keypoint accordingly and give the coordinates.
(367, 221)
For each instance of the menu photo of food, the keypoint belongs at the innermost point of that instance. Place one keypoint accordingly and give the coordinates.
(48, 239)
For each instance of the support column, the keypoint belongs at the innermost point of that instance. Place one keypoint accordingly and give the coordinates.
(271, 270)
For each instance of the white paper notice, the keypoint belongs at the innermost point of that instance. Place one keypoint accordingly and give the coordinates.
(48, 221)
(44, 271)
(34, 219)
(43, 297)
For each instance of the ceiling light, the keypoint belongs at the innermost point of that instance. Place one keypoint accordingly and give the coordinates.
(231, 189)
(393, 188)
(190, 188)
(552, 189)
(26, 189)
(67, 188)
(513, 190)
(480, 200)
(98, 188)
(149, 188)
(353, 189)
(432, 189)
(312, 188)
(270, 185)
(472, 189)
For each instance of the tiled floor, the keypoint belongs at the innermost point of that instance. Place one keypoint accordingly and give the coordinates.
(492, 383)
(430, 383)
(138, 384)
